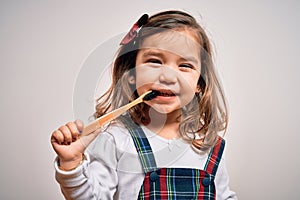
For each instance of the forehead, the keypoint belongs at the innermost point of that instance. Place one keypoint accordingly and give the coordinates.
(181, 42)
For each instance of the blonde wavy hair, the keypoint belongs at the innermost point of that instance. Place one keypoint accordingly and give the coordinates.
(204, 117)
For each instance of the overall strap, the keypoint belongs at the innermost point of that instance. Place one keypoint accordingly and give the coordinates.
(215, 156)
(141, 144)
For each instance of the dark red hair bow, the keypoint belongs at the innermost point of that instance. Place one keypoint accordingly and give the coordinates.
(133, 31)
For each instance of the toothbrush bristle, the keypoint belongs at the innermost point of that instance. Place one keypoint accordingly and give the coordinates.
(150, 96)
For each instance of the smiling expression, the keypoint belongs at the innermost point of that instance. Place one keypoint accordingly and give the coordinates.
(169, 62)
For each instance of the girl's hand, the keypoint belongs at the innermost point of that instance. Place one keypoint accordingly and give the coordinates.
(69, 146)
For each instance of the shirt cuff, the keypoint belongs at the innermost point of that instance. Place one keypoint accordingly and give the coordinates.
(73, 177)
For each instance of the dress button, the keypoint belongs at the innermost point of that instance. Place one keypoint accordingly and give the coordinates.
(153, 176)
(206, 181)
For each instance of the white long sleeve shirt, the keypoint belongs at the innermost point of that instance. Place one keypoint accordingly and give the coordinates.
(113, 169)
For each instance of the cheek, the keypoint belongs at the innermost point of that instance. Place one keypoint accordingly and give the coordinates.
(146, 75)
(190, 82)
(194, 82)
(188, 89)
(187, 97)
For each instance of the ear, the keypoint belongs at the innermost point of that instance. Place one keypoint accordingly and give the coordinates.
(198, 89)
(131, 80)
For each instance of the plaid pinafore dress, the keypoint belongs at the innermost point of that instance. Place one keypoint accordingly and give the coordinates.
(174, 183)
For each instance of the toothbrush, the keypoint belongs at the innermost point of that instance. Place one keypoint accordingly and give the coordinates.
(147, 96)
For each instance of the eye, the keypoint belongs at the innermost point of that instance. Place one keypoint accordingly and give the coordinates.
(186, 66)
(153, 60)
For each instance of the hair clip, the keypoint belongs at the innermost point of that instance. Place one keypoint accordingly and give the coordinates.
(133, 31)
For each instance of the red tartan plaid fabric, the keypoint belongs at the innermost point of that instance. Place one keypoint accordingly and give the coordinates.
(174, 183)
(178, 183)
(215, 156)
(183, 183)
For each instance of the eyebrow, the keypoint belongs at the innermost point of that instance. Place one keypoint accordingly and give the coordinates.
(159, 54)
(190, 59)
(152, 53)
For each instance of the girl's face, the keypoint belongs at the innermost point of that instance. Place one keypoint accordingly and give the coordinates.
(169, 62)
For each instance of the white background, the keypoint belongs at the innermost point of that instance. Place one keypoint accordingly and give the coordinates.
(43, 45)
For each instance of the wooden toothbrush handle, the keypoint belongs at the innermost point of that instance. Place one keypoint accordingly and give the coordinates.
(98, 123)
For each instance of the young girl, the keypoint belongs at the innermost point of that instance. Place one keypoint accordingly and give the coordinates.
(164, 148)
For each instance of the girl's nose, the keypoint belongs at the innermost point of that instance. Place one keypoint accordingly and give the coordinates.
(168, 75)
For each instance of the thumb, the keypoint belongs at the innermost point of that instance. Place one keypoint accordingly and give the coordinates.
(79, 125)
(85, 140)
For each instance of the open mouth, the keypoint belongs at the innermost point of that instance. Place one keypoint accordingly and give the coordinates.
(165, 93)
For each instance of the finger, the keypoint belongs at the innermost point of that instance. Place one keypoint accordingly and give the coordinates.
(67, 134)
(74, 130)
(79, 125)
(57, 137)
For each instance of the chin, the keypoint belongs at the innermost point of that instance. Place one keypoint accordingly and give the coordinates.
(164, 109)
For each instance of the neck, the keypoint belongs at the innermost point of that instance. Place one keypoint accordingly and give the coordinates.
(164, 125)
